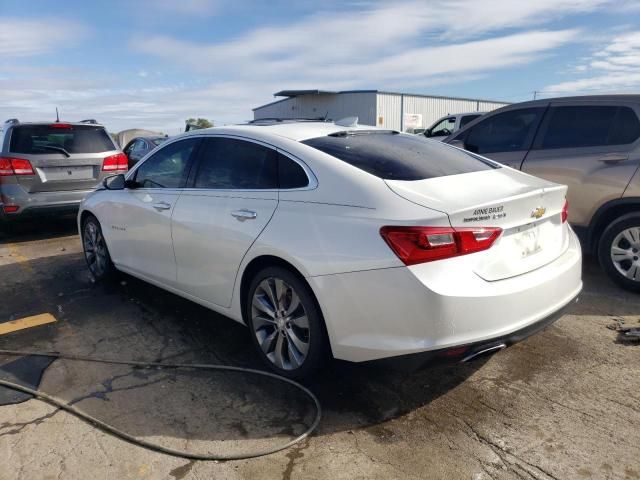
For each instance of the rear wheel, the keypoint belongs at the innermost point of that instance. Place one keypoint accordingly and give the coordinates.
(619, 251)
(95, 250)
(285, 322)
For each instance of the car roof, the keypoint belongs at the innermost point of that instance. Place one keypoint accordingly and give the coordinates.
(10, 124)
(297, 131)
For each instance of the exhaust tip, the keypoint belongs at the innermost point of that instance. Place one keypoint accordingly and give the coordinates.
(485, 352)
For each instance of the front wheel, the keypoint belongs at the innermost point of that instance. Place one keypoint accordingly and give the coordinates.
(619, 251)
(286, 324)
(95, 250)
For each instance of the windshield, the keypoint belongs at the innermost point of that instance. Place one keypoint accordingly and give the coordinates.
(48, 139)
(394, 156)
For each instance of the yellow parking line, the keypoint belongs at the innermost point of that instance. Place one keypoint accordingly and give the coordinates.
(26, 322)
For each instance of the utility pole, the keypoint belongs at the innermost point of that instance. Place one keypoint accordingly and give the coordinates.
(535, 94)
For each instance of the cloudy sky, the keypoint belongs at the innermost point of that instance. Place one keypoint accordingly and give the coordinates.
(153, 63)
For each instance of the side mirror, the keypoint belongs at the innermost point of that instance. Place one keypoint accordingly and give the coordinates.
(427, 133)
(114, 182)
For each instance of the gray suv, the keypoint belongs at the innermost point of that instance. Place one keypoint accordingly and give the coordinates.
(50, 167)
(591, 144)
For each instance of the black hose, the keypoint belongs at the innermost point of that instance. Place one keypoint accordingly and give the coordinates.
(143, 443)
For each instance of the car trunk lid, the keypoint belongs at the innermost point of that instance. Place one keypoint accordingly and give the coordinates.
(526, 208)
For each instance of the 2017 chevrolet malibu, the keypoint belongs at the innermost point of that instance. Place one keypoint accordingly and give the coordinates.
(355, 242)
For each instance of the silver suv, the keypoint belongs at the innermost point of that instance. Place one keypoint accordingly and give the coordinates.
(591, 144)
(50, 167)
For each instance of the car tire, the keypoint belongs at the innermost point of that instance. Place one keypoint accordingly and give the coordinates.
(619, 251)
(285, 323)
(96, 253)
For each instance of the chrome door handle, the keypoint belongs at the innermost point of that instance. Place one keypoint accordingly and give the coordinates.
(162, 206)
(244, 214)
(613, 158)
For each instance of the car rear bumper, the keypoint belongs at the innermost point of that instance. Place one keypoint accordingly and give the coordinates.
(40, 203)
(430, 307)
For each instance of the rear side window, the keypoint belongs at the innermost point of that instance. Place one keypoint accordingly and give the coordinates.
(227, 163)
(468, 119)
(589, 126)
(394, 156)
(504, 132)
(47, 139)
(290, 174)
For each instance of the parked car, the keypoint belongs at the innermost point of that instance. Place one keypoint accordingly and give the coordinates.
(140, 146)
(49, 167)
(353, 241)
(445, 126)
(591, 144)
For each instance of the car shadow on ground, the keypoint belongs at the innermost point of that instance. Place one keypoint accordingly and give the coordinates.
(26, 230)
(129, 319)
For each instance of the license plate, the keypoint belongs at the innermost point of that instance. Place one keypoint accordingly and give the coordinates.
(529, 241)
(68, 173)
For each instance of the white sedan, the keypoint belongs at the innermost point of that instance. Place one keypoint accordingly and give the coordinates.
(352, 242)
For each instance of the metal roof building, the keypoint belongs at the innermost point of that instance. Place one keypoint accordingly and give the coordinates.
(392, 110)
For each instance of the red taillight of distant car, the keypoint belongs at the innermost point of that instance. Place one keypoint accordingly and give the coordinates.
(115, 162)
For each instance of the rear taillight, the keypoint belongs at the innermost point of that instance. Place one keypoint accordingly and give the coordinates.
(62, 126)
(15, 166)
(565, 210)
(115, 162)
(10, 208)
(415, 245)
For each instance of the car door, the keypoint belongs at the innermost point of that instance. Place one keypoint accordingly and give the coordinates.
(232, 198)
(140, 217)
(587, 145)
(504, 136)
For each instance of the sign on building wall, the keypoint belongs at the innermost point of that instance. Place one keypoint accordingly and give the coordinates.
(412, 120)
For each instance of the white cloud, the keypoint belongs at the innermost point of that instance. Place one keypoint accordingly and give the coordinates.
(185, 7)
(614, 68)
(22, 38)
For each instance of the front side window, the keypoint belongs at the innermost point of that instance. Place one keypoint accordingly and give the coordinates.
(394, 156)
(227, 163)
(504, 132)
(168, 167)
(589, 126)
(443, 128)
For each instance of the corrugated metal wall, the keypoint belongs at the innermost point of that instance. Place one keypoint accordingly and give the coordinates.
(431, 108)
(360, 104)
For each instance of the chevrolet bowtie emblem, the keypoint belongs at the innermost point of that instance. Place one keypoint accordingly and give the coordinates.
(538, 212)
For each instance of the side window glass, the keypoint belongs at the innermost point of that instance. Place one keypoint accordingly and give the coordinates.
(168, 167)
(290, 174)
(467, 119)
(504, 132)
(139, 146)
(578, 126)
(626, 127)
(227, 163)
(443, 128)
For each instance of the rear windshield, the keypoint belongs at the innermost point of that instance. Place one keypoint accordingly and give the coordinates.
(41, 139)
(393, 156)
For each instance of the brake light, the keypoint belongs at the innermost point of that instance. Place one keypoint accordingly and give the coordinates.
(15, 166)
(565, 210)
(115, 162)
(64, 126)
(415, 245)
(10, 208)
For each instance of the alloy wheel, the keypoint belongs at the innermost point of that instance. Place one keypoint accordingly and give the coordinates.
(95, 249)
(625, 253)
(280, 323)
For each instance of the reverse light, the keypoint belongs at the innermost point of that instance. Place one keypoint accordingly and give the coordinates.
(115, 162)
(565, 210)
(415, 245)
(15, 166)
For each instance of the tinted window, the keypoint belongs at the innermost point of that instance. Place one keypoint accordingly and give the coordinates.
(399, 157)
(227, 163)
(168, 167)
(41, 139)
(290, 174)
(468, 119)
(589, 126)
(504, 132)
